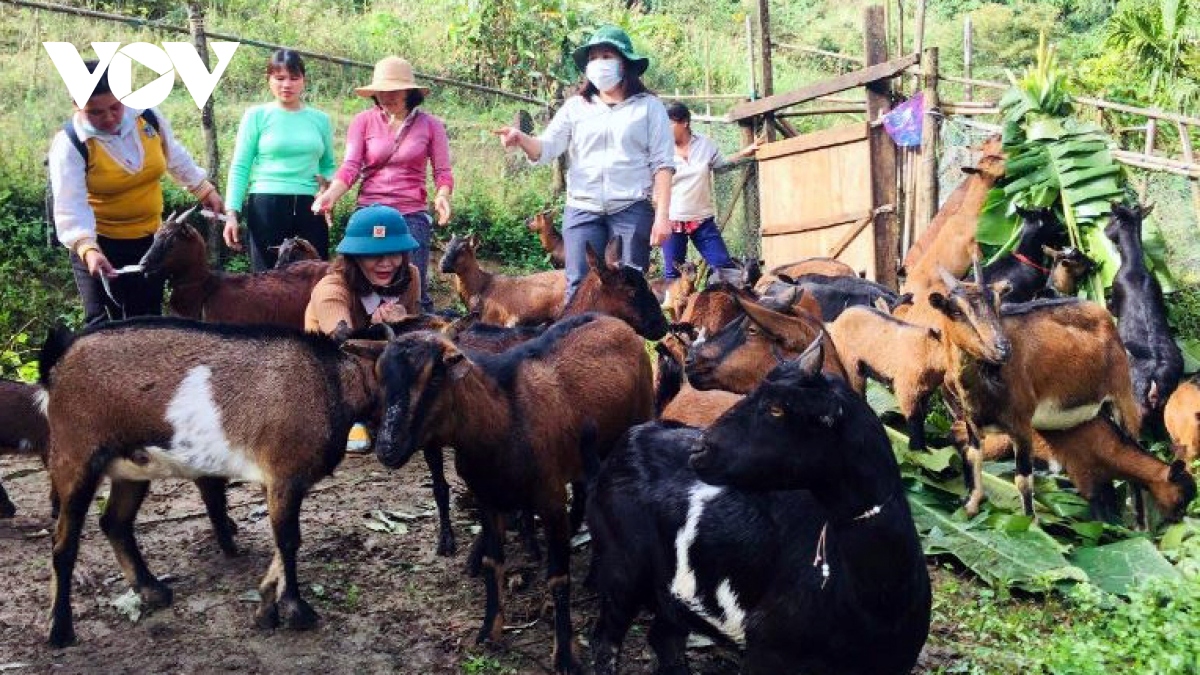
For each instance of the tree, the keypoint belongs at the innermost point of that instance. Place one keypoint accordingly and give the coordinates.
(1155, 34)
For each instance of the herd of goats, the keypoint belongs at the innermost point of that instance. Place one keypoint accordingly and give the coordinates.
(739, 486)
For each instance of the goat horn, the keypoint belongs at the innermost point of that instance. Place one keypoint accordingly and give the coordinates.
(977, 264)
(186, 214)
(813, 356)
(949, 279)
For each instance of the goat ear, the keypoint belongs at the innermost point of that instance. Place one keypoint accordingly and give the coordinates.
(813, 356)
(367, 349)
(457, 364)
(786, 279)
(970, 170)
(612, 253)
(1050, 252)
(473, 240)
(939, 302)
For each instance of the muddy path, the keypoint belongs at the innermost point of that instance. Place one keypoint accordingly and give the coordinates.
(388, 604)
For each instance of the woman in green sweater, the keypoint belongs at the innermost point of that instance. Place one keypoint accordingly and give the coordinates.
(283, 149)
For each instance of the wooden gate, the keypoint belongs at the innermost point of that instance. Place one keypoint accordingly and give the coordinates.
(817, 198)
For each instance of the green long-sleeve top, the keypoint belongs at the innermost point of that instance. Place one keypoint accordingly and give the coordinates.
(279, 152)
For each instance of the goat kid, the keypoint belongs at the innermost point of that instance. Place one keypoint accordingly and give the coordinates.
(783, 529)
(1022, 269)
(198, 401)
(500, 299)
(517, 422)
(1182, 418)
(24, 431)
(1155, 360)
(550, 238)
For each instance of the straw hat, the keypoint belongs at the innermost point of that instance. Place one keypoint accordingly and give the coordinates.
(392, 73)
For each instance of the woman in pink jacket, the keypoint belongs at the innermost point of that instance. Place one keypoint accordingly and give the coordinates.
(390, 149)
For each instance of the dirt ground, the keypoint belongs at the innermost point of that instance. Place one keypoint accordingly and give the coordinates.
(388, 604)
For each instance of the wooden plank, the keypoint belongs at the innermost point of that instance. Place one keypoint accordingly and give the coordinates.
(886, 230)
(825, 138)
(816, 223)
(856, 78)
(850, 235)
(859, 254)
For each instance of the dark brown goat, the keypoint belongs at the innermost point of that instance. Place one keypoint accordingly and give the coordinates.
(260, 403)
(278, 297)
(500, 299)
(294, 249)
(518, 421)
(1045, 365)
(738, 356)
(1094, 454)
(1182, 418)
(23, 431)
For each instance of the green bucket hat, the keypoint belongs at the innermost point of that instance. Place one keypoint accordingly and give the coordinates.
(617, 39)
(377, 230)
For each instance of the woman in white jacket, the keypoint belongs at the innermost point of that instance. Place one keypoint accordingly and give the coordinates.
(620, 152)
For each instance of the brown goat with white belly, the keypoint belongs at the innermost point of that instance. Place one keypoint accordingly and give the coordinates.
(278, 297)
(521, 423)
(154, 398)
(501, 299)
(1047, 365)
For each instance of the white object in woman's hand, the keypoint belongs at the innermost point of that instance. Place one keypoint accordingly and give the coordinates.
(322, 202)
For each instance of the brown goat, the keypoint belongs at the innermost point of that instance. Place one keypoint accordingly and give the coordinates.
(551, 239)
(737, 357)
(500, 299)
(1046, 365)
(1182, 417)
(522, 423)
(949, 240)
(294, 249)
(673, 294)
(23, 431)
(910, 358)
(713, 308)
(829, 267)
(1068, 267)
(675, 399)
(277, 296)
(1094, 454)
(260, 403)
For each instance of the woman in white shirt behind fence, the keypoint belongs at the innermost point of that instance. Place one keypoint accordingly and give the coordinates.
(692, 211)
(618, 143)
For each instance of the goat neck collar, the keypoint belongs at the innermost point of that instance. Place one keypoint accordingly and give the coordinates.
(1026, 261)
(821, 558)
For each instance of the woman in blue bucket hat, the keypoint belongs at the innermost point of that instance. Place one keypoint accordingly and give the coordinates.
(620, 153)
(370, 281)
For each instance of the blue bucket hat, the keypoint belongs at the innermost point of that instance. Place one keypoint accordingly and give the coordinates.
(617, 39)
(377, 230)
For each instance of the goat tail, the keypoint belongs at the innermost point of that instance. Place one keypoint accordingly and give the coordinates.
(58, 341)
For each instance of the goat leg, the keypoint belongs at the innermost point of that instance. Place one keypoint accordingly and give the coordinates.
(124, 501)
(7, 509)
(1023, 451)
(972, 458)
(669, 643)
(558, 580)
(1139, 506)
(212, 492)
(283, 502)
(493, 574)
(915, 421)
(76, 492)
(441, 496)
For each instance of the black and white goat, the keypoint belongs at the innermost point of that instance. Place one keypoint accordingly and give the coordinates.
(782, 528)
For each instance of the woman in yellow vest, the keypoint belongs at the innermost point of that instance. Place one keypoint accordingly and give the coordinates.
(105, 166)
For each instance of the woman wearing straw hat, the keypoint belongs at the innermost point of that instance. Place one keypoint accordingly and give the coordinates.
(389, 148)
(621, 154)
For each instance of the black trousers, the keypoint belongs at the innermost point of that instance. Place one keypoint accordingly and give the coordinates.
(132, 294)
(272, 218)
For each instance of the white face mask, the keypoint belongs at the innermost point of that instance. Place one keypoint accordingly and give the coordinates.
(604, 74)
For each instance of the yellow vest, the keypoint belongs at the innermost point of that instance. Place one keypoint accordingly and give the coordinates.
(127, 205)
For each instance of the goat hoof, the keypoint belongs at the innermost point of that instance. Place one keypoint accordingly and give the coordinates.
(267, 616)
(296, 614)
(7, 509)
(156, 595)
(60, 635)
(447, 545)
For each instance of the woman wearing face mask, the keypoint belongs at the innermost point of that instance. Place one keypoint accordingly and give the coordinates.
(389, 148)
(619, 146)
(105, 165)
(283, 149)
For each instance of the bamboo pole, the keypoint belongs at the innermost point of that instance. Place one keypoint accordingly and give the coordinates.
(886, 230)
(927, 183)
(135, 21)
(764, 47)
(1151, 134)
(967, 47)
(750, 59)
(1186, 142)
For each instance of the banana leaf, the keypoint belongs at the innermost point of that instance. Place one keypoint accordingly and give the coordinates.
(1122, 565)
